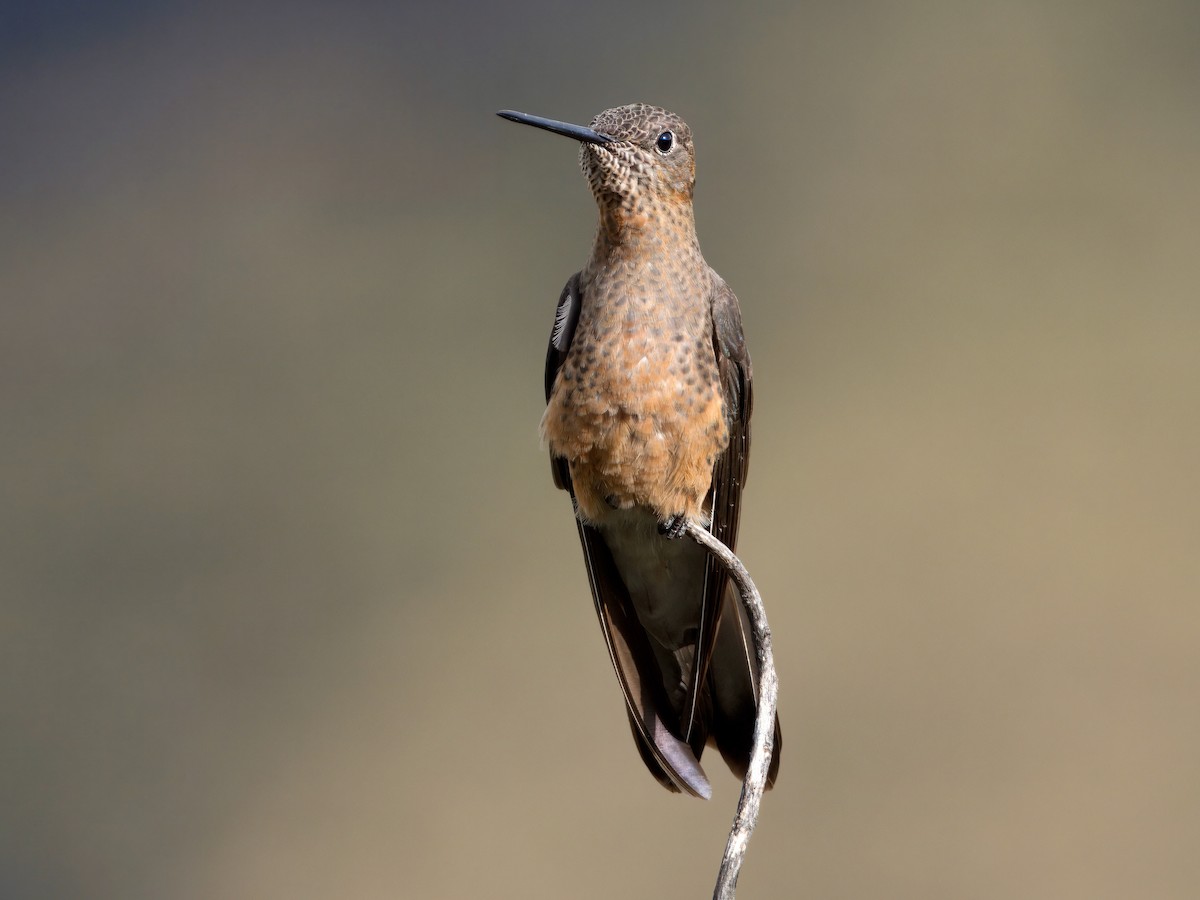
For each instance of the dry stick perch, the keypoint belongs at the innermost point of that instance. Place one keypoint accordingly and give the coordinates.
(764, 725)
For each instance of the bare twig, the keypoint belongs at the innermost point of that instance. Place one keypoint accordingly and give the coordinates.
(764, 725)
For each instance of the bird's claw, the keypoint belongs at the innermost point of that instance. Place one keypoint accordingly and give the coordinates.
(673, 527)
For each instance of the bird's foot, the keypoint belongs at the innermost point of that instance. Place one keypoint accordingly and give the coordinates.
(673, 527)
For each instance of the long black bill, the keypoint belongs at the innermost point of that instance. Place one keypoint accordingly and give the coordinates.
(572, 131)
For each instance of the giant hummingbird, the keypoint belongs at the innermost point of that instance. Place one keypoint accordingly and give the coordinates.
(649, 394)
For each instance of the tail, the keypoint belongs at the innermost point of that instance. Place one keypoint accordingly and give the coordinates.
(733, 687)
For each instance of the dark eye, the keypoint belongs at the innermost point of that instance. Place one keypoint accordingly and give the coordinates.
(665, 142)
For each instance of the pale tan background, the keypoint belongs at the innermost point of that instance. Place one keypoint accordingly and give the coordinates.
(290, 608)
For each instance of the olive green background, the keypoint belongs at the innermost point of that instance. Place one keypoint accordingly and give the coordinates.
(288, 604)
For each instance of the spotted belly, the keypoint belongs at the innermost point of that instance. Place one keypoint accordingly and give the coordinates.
(643, 429)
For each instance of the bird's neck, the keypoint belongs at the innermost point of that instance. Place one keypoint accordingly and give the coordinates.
(629, 232)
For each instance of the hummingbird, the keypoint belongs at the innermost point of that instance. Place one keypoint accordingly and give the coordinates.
(648, 402)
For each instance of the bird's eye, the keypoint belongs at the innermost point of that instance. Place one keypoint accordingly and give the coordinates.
(665, 142)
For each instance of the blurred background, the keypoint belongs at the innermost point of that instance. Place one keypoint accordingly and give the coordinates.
(288, 604)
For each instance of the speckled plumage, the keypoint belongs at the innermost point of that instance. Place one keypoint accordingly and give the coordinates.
(648, 387)
(636, 409)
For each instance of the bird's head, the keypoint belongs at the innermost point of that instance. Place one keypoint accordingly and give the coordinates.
(639, 162)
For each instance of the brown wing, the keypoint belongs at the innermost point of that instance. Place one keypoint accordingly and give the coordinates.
(651, 716)
(566, 317)
(729, 474)
(737, 391)
(732, 675)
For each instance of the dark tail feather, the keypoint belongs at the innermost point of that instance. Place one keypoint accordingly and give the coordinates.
(733, 676)
(686, 776)
(648, 758)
